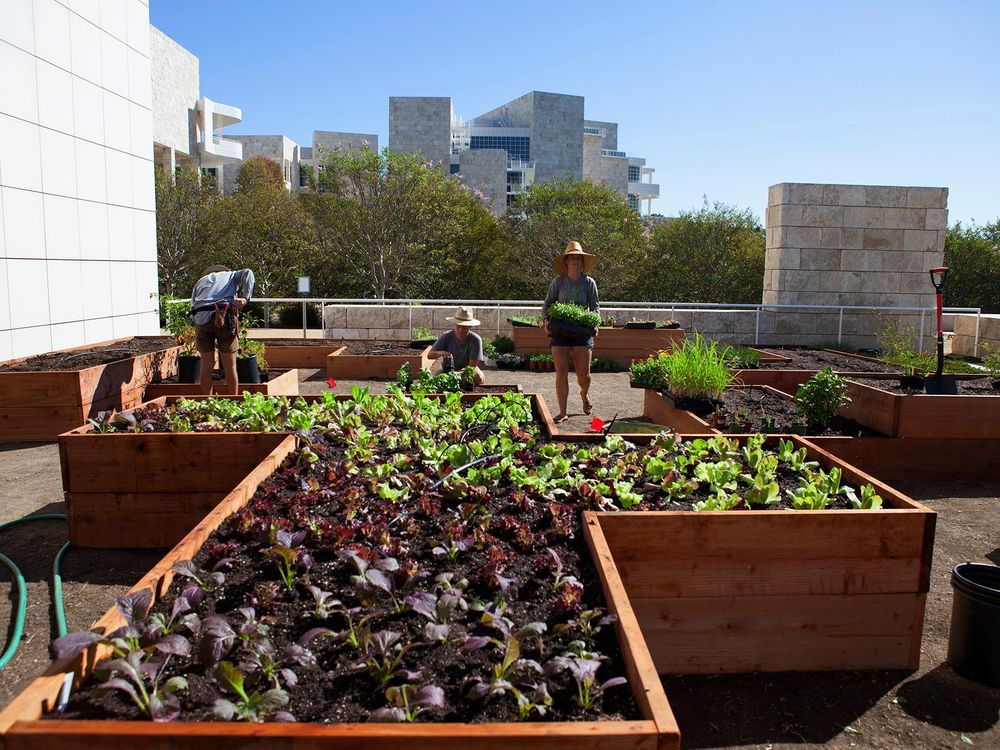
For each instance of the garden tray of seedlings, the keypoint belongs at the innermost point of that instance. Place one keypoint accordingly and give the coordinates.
(144, 478)
(381, 590)
(375, 359)
(275, 383)
(42, 396)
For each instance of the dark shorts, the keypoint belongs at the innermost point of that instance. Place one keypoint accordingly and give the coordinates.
(205, 337)
(566, 341)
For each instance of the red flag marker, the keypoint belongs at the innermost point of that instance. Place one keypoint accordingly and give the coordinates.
(331, 383)
(596, 424)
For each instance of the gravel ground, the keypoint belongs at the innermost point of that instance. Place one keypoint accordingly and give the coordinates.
(931, 708)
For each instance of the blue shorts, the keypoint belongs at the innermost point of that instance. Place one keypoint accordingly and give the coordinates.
(566, 341)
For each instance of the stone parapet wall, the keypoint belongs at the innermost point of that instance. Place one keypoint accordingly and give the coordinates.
(853, 244)
(964, 340)
(776, 327)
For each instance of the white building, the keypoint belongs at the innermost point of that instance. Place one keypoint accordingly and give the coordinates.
(77, 223)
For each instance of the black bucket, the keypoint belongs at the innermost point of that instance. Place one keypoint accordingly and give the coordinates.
(247, 370)
(188, 369)
(974, 641)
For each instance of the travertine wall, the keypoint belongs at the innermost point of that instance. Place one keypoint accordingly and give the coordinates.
(607, 170)
(175, 83)
(862, 245)
(421, 124)
(964, 341)
(485, 169)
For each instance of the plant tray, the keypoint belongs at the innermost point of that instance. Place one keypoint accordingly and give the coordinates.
(280, 384)
(23, 728)
(570, 330)
(647, 326)
(41, 405)
(341, 365)
(779, 590)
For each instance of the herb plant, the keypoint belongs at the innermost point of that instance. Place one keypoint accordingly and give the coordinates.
(573, 313)
(819, 398)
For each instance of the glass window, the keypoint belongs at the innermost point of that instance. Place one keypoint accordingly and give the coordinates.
(455, 168)
(517, 147)
(634, 174)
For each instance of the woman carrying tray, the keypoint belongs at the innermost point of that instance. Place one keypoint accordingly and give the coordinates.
(571, 285)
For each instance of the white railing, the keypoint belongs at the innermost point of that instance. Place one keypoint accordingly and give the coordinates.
(614, 307)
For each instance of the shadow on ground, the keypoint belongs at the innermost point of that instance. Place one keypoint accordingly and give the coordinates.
(943, 698)
(727, 710)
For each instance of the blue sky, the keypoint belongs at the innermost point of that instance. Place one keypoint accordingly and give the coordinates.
(722, 98)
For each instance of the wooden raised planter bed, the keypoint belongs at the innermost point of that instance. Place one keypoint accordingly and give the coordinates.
(23, 728)
(790, 380)
(779, 590)
(620, 344)
(304, 355)
(280, 384)
(922, 415)
(42, 404)
(925, 459)
(342, 365)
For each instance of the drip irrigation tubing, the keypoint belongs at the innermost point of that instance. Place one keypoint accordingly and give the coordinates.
(22, 592)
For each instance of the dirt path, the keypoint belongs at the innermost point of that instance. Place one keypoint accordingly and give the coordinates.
(932, 708)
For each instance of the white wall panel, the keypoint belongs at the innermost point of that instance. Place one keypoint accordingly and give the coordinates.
(20, 162)
(55, 97)
(4, 298)
(119, 177)
(145, 235)
(18, 25)
(117, 130)
(85, 49)
(52, 40)
(113, 18)
(121, 233)
(24, 224)
(68, 335)
(18, 86)
(88, 110)
(58, 162)
(125, 325)
(28, 293)
(114, 65)
(123, 289)
(96, 276)
(62, 228)
(93, 230)
(90, 172)
(143, 188)
(28, 341)
(146, 283)
(140, 85)
(141, 129)
(89, 9)
(137, 25)
(6, 350)
(66, 299)
(99, 329)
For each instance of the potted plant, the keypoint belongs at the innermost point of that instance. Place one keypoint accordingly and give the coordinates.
(573, 321)
(180, 327)
(250, 362)
(697, 373)
(510, 361)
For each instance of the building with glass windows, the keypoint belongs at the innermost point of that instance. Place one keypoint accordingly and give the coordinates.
(540, 136)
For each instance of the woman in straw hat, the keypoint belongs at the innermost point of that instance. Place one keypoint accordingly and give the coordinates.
(461, 346)
(572, 285)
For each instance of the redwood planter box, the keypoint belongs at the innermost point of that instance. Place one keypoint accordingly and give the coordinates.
(342, 365)
(932, 459)
(23, 729)
(790, 380)
(661, 410)
(620, 344)
(42, 404)
(281, 384)
(311, 355)
(779, 590)
(923, 415)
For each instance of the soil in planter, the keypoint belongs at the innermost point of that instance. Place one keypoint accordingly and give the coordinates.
(816, 359)
(511, 543)
(966, 387)
(302, 342)
(393, 348)
(84, 358)
(758, 404)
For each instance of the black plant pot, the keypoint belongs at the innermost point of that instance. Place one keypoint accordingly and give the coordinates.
(996, 385)
(189, 368)
(699, 406)
(247, 370)
(569, 330)
(644, 325)
(422, 344)
(912, 382)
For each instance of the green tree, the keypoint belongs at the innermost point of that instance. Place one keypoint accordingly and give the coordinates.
(182, 203)
(397, 228)
(972, 255)
(262, 227)
(713, 254)
(548, 215)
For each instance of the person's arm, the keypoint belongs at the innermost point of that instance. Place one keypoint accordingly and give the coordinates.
(551, 296)
(592, 304)
(440, 348)
(476, 355)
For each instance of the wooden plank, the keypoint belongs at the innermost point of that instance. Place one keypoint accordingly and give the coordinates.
(50, 388)
(282, 384)
(936, 459)
(38, 422)
(948, 416)
(704, 635)
(642, 676)
(340, 365)
(85, 735)
(872, 407)
(304, 356)
(661, 411)
(135, 520)
(161, 462)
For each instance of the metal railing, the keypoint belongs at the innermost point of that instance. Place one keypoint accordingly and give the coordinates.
(613, 306)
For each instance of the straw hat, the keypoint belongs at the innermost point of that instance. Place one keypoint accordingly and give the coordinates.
(213, 269)
(464, 317)
(574, 250)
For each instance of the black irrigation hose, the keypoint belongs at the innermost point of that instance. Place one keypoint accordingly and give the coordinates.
(460, 469)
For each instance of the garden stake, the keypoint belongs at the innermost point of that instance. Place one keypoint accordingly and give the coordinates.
(940, 384)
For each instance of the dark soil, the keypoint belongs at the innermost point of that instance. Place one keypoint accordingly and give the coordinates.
(817, 359)
(83, 358)
(302, 342)
(379, 347)
(747, 408)
(508, 560)
(966, 386)
(218, 376)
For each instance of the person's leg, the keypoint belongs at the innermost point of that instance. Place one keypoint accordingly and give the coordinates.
(581, 363)
(560, 356)
(205, 343)
(229, 366)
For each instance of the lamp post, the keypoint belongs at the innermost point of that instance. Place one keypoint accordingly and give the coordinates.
(304, 290)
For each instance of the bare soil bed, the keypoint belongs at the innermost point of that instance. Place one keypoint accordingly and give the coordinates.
(816, 359)
(966, 387)
(378, 348)
(757, 405)
(83, 358)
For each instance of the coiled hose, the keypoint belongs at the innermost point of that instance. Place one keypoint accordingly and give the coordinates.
(22, 593)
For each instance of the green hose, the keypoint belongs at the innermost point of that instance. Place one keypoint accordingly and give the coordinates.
(22, 594)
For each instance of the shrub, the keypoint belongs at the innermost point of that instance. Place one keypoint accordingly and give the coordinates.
(576, 314)
(510, 361)
(422, 334)
(503, 345)
(251, 347)
(651, 371)
(741, 357)
(290, 316)
(991, 359)
(819, 398)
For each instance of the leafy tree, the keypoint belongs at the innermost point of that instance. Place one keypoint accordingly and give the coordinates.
(182, 203)
(398, 228)
(713, 254)
(548, 215)
(262, 227)
(972, 255)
